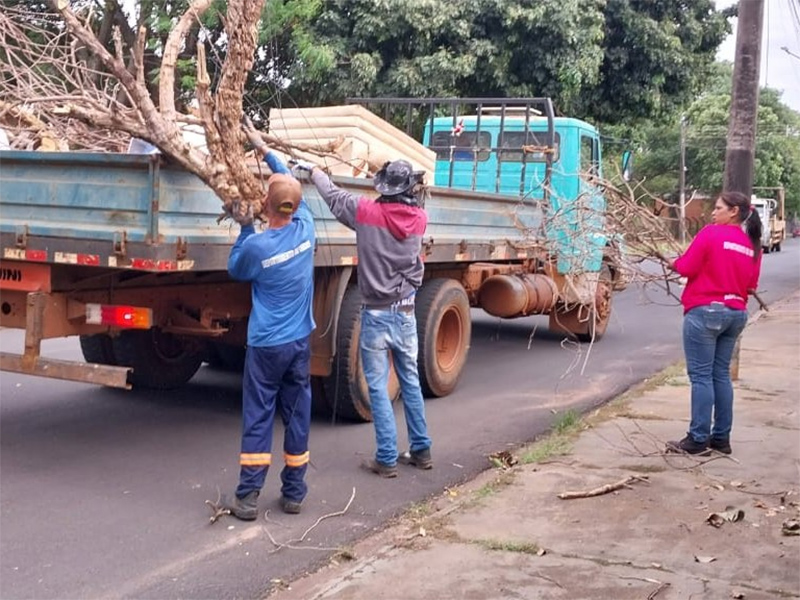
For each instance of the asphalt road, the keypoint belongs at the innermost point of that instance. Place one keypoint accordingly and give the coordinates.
(102, 491)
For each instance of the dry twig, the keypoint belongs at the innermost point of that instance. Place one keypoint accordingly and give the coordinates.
(291, 543)
(604, 489)
(217, 508)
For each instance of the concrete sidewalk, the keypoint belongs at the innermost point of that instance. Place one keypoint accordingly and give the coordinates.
(507, 534)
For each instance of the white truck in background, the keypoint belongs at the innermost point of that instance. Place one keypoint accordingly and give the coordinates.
(773, 218)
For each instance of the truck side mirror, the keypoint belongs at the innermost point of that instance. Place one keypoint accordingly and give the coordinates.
(627, 165)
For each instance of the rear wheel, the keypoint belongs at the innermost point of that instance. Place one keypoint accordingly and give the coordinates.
(159, 360)
(346, 390)
(444, 329)
(98, 349)
(226, 357)
(584, 322)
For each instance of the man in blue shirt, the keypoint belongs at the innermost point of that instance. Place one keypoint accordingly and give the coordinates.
(279, 263)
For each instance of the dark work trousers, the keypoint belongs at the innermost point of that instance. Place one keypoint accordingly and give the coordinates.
(277, 376)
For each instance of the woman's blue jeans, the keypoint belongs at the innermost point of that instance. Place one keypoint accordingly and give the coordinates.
(709, 337)
(381, 331)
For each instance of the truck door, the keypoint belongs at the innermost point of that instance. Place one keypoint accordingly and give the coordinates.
(590, 206)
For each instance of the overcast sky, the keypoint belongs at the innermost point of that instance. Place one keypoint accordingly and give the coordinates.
(779, 70)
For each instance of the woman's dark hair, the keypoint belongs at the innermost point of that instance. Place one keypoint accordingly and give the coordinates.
(747, 215)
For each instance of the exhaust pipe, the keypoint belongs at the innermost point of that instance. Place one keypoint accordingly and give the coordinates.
(510, 296)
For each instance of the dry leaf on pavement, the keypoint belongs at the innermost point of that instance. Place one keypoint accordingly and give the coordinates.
(790, 527)
(717, 519)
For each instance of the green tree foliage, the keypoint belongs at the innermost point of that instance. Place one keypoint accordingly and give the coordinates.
(609, 61)
(777, 159)
(657, 56)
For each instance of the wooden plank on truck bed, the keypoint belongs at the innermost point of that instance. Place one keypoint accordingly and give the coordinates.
(363, 138)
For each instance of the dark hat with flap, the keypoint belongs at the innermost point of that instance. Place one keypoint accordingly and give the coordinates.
(397, 177)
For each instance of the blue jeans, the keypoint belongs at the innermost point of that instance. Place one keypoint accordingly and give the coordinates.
(276, 379)
(709, 337)
(381, 331)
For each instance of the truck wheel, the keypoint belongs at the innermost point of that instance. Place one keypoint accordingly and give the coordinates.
(225, 357)
(587, 323)
(160, 361)
(98, 349)
(444, 329)
(346, 390)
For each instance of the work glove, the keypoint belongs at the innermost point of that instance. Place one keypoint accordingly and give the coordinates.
(242, 216)
(299, 166)
(252, 134)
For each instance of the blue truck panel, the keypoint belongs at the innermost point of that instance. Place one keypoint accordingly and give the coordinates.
(66, 200)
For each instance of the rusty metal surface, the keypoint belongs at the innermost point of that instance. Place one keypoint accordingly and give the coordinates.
(24, 276)
(60, 369)
(510, 296)
(330, 286)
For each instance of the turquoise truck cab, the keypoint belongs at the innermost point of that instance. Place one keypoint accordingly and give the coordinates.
(508, 154)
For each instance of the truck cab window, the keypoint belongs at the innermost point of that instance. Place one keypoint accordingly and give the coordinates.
(511, 143)
(469, 146)
(589, 155)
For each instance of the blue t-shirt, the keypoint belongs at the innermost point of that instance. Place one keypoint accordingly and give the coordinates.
(280, 265)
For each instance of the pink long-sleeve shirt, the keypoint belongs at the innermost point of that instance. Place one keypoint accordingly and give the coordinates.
(719, 267)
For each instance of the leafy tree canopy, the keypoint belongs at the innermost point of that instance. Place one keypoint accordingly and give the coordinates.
(777, 159)
(608, 61)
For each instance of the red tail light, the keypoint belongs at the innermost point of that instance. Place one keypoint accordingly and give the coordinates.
(124, 317)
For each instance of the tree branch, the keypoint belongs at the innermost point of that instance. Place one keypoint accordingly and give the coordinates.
(172, 47)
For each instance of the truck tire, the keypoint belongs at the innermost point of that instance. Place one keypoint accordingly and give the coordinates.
(226, 357)
(587, 324)
(160, 361)
(444, 329)
(346, 391)
(98, 349)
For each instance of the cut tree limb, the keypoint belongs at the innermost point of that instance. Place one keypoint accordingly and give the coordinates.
(603, 489)
(166, 77)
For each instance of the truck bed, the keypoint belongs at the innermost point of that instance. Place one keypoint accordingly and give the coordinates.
(138, 212)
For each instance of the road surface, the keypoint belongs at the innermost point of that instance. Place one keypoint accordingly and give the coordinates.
(102, 491)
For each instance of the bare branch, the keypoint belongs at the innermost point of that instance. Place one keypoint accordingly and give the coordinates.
(172, 48)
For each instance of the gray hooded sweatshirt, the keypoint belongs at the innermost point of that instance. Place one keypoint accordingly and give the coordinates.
(388, 241)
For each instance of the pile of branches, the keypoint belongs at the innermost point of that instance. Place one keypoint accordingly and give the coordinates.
(57, 76)
(640, 244)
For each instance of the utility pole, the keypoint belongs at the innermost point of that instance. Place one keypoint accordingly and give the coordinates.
(682, 183)
(740, 150)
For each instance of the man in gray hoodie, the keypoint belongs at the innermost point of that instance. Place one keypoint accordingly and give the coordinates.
(389, 234)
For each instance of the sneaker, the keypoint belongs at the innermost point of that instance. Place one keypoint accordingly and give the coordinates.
(420, 459)
(688, 446)
(387, 471)
(720, 445)
(245, 508)
(290, 507)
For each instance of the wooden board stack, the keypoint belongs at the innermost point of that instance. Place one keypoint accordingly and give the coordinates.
(361, 141)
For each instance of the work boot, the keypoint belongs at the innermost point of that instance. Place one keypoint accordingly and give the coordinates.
(720, 445)
(245, 508)
(419, 458)
(687, 446)
(290, 507)
(387, 471)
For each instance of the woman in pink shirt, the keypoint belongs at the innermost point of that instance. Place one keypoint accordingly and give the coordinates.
(721, 265)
